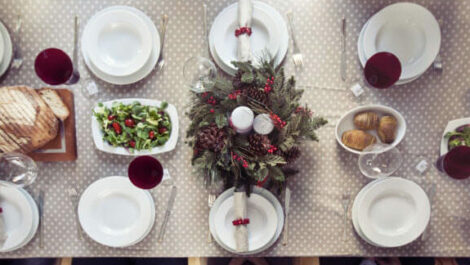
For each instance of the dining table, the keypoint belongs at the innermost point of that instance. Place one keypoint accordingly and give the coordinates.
(328, 173)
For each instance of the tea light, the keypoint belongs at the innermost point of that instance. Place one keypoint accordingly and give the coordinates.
(263, 124)
(242, 119)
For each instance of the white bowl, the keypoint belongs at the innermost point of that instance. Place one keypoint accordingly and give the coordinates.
(451, 126)
(106, 147)
(346, 123)
(119, 43)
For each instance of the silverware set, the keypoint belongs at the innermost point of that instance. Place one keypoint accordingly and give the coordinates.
(285, 234)
(210, 203)
(297, 56)
(17, 55)
(163, 25)
(343, 49)
(75, 74)
(345, 200)
(74, 198)
(437, 65)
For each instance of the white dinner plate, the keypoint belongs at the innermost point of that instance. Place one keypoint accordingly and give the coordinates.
(264, 37)
(363, 58)
(262, 226)
(451, 126)
(393, 212)
(280, 28)
(118, 41)
(148, 66)
(106, 147)
(115, 213)
(407, 30)
(256, 190)
(8, 49)
(2, 47)
(21, 216)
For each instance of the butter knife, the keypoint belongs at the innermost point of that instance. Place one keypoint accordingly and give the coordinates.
(285, 234)
(343, 49)
(3, 232)
(169, 207)
(41, 217)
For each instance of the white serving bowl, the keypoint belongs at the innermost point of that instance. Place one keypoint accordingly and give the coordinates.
(451, 126)
(346, 123)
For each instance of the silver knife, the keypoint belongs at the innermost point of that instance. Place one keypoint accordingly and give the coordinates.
(171, 202)
(285, 234)
(343, 49)
(41, 217)
(3, 232)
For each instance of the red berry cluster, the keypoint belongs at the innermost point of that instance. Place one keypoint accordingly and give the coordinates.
(268, 86)
(272, 149)
(243, 30)
(240, 159)
(241, 221)
(235, 94)
(277, 121)
(211, 100)
(212, 110)
(304, 111)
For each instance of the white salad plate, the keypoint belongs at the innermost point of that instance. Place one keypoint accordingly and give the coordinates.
(346, 123)
(407, 30)
(145, 69)
(279, 29)
(118, 41)
(7, 57)
(393, 212)
(363, 58)
(256, 190)
(262, 226)
(115, 213)
(21, 216)
(451, 126)
(106, 147)
(2, 47)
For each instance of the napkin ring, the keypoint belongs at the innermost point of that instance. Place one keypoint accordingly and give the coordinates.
(243, 30)
(241, 221)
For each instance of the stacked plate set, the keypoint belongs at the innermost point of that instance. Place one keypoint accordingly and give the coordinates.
(407, 30)
(6, 49)
(266, 220)
(120, 45)
(391, 212)
(269, 36)
(20, 214)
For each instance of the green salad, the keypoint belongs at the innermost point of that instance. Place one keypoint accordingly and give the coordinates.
(134, 126)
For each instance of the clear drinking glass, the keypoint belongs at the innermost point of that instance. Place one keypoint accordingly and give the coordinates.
(199, 73)
(375, 162)
(18, 169)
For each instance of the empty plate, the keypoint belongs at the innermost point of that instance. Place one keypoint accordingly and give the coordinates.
(7, 51)
(115, 213)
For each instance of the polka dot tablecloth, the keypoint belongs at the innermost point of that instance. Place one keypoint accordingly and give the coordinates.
(326, 170)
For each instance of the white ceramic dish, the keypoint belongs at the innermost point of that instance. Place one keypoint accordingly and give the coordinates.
(22, 220)
(168, 146)
(2, 47)
(262, 226)
(256, 190)
(451, 126)
(144, 71)
(281, 29)
(264, 37)
(363, 58)
(8, 49)
(115, 213)
(407, 30)
(119, 42)
(346, 123)
(393, 212)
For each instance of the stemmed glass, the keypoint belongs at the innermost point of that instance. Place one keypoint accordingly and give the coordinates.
(54, 67)
(199, 74)
(18, 169)
(376, 161)
(456, 163)
(147, 172)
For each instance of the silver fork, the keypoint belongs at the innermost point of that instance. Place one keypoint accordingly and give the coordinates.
(297, 55)
(17, 56)
(437, 65)
(73, 194)
(40, 200)
(210, 203)
(346, 198)
(163, 24)
(75, 74)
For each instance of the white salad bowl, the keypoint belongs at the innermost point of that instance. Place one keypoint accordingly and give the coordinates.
(102, 145)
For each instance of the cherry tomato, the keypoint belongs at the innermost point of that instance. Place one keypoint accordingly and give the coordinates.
(111, 117)
(132, 144)
(129, 122)
(162, 130)
(151, 134)
(117, 127)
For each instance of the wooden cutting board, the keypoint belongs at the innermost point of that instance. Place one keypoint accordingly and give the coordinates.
(63, 147)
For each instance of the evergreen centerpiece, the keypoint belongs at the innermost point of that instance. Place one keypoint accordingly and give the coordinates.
(220, 153)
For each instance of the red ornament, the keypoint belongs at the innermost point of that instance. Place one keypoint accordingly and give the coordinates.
(241, 221)
(243, 30)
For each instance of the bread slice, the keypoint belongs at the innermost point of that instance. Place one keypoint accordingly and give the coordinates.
(52, 98)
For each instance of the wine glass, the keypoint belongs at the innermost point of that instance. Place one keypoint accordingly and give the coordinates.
(54, 67)
(147, 172)
(18, 169)
(199, 73)
(376, 161)
(456, 163)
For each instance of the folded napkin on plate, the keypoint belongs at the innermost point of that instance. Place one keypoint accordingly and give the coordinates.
(245, 9)
(241, 231)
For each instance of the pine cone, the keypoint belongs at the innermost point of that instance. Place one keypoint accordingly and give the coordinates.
(211, 138)
(259, 144)
(238, 84)
(292, 154)
(257, 95)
